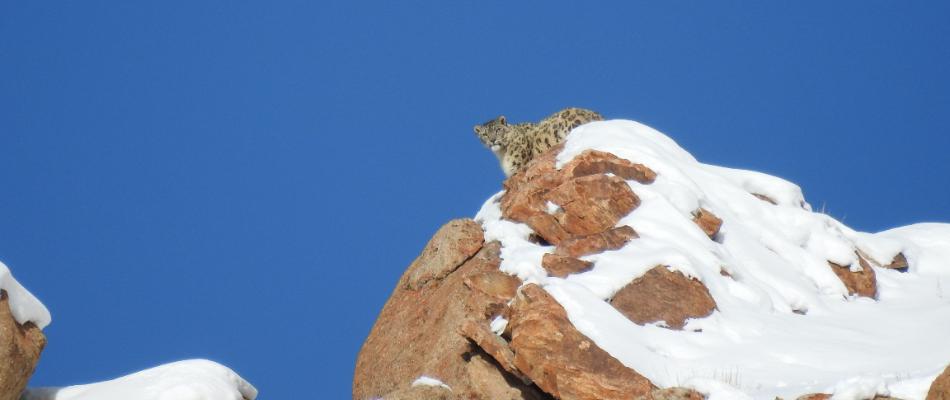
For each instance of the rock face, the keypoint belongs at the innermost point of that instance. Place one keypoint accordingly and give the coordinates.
(585, 199)
(20, 348)
(418, 331)
(662, 295)
(861, 283)
(562, 361)
(940, 389)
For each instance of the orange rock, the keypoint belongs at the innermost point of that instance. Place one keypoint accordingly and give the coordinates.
(562, 361)
(611, 239)
(562, 266)
(707, 221)
(676, 393)
(592, 162)
(20, 348)
(899, 262)
(589, 201)
(663, 295)
(815, 396)
(417, 332)
(940, 389)
(861, 283)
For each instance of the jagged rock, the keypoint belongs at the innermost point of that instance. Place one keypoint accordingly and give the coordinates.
(592, 162)
(417, 332)
(588, 200)
(707, 221)
(673, 394)
(663, 295)
(454, 243)
(611, 239)
(562, 361)
(20, 348)
(899, 262)
(861, 283)
(562, 266)
(765, 198)
(940, 389)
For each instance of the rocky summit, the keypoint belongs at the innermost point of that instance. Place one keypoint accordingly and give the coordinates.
(616, 266)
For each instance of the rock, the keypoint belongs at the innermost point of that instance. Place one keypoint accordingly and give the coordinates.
(861, 283)
(765, 198)
(562, 266)
(814, 396)
(494, 345)
(20, 348)
(593, 162)
(707, 221)
(417, 332)
(593, 203)
(940, 389)
(562, 361)
(454, 243)
(421, 392)
(663, 295)
(673, 394)
(589, 201)
(899, 262)
(611, 239)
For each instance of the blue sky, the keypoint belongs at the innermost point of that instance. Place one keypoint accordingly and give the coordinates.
(245, 181)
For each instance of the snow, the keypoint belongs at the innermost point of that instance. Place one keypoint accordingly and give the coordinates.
(23, 305)
(785, 324)
(429, 381)
(182, 380)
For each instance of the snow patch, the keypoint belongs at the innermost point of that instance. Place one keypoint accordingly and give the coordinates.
(182, 380)
(428, 381)
(23, 305)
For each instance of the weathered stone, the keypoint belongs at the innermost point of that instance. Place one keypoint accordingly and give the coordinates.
(663, 295)
(707, 221)
(562, 266)
(940, 388)
(588, 199)
(673, 394)
(861, 283)
(494, 345)
(592, 162)
(417, 332)
(814, 396)
(611, 239)
(454, 243)
(562, 361)
(899, 262)
(20, 348)
(593, 203)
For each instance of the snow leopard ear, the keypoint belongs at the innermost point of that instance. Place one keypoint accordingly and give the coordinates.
(502, 119)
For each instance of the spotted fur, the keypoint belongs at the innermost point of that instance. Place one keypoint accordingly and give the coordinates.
(515, 145)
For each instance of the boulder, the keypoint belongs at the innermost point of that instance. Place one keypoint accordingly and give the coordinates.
(562, 361)
(611, 239)
(20, 348)
(673, 394)
(707, 221)
(663, 295)
(860, 283)
(940, 388)
(562, 266)
(418, 331)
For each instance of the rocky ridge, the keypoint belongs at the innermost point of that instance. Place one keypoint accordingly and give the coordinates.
(488, 333)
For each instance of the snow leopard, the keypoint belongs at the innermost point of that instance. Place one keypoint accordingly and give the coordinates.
(516, 144)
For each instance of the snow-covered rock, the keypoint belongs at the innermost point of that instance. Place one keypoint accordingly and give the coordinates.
(21, 340)
(182, 380)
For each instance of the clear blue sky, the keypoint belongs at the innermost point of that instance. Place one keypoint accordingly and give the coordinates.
(245, 181)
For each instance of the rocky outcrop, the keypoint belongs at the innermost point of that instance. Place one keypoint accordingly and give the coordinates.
(610, 239)
(862, 282)
(20, 348)
(562, 361)
(940, 389)
(579, 199)
(663, 295)
(562, 266)
(419, 331)
(707, 221)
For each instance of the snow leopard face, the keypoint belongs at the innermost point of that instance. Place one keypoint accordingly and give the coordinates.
(492, 133)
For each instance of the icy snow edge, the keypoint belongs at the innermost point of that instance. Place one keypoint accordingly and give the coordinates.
(785, 324)
(23, 305)
(182, 380)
